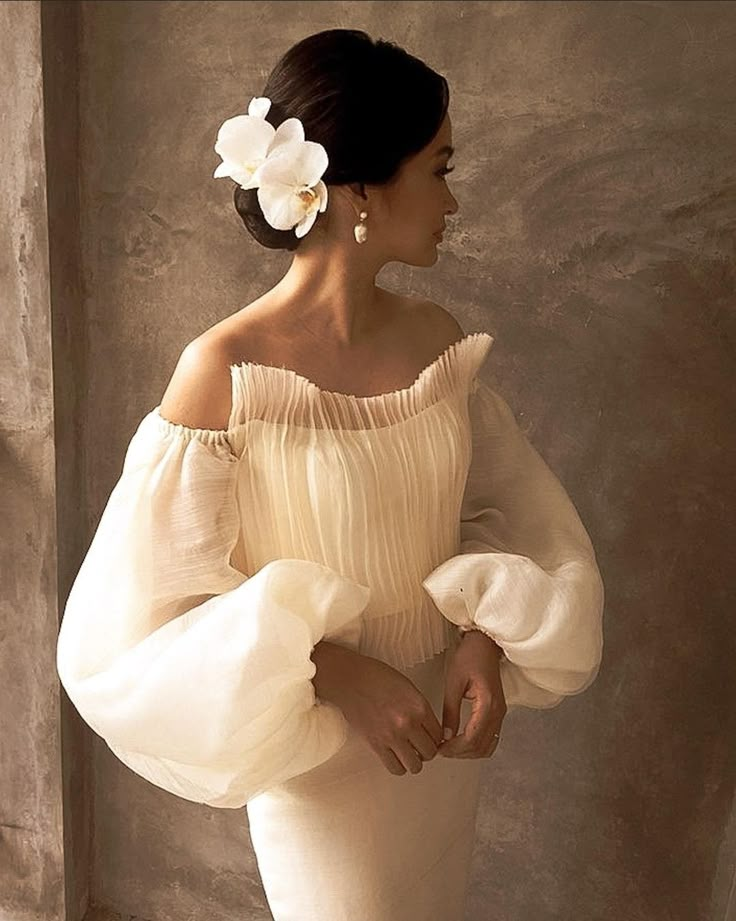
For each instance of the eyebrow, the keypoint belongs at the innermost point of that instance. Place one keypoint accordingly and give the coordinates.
(446, 149)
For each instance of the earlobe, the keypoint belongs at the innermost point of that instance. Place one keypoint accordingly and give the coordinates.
(358, 198)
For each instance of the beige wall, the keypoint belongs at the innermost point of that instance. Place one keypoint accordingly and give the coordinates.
(595, 241)
(32, 846)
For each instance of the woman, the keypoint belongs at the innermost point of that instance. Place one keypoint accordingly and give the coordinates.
(331, 537)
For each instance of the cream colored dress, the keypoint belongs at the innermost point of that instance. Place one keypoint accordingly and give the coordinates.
(390, 524)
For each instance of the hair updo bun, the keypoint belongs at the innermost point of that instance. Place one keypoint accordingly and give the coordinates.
(371, 105)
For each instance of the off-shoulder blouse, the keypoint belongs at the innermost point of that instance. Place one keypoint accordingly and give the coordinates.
(388, 523)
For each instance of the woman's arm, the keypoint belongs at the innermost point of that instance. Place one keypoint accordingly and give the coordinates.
(526, 574)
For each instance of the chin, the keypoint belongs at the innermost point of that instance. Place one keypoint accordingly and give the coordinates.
(428, 256)
(421, 253)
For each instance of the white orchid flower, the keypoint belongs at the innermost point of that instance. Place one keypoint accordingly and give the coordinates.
(284, 167)
(291, 192)
(243, 143)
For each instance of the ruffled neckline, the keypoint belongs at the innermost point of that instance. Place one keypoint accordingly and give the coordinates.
(272, 393)
(286, 397)
(447, 355)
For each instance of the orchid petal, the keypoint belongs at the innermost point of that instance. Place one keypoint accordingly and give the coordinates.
(305, 225)
(289, 130)
(244, 139)
(243, 177)
(296, 164)
(281, 207)
(259, 106)
(245, 180)
(280, 168)
(222, 170)
(321, 190)
(309, 161)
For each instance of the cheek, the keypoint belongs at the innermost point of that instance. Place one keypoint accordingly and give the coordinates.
(421, 203)
(409, 209)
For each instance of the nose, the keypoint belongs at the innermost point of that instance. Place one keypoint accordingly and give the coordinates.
(454, 206)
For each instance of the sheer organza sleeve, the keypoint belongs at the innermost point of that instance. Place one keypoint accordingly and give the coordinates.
(198, 676)
(526, 574)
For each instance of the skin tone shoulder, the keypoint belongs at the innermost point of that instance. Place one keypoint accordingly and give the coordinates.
(327, 318)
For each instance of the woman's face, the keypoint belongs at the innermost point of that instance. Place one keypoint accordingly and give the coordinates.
(414, 206)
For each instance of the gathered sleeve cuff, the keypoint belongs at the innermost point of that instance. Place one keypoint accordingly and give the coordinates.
(197, 675)
(526, 574)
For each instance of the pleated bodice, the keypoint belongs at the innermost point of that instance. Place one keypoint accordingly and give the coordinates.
(370, 486)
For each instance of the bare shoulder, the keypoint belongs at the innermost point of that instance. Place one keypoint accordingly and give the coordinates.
(199, 392)
(439, 328)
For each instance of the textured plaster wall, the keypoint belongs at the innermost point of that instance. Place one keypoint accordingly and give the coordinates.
(31, 826)
(595, 241)
(60, 55)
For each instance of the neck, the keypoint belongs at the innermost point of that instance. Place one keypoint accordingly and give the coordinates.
(336, 284)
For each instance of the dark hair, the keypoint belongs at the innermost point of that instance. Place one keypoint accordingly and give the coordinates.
(371, 104)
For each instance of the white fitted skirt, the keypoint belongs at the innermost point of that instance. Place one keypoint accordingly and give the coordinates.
(349, 841)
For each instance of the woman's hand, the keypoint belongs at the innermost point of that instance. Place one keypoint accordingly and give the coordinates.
(473, 672)
(381, 703)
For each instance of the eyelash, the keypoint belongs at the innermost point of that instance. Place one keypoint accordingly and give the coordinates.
(445, 170)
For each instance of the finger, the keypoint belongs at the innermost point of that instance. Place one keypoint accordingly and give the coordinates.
(463, 743)
(487, 748)
(408, 756)
(451, 707)
(462, 747)
(475, 738)
(432, 727)
(488, 711)
(480, 721)
(491, 746)
(459, 748)
(423, 743)
(392, 763)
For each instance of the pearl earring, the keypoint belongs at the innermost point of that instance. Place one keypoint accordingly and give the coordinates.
(360, 230)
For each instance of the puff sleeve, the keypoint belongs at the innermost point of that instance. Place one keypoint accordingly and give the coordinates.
(198, 676)
(526, 572)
